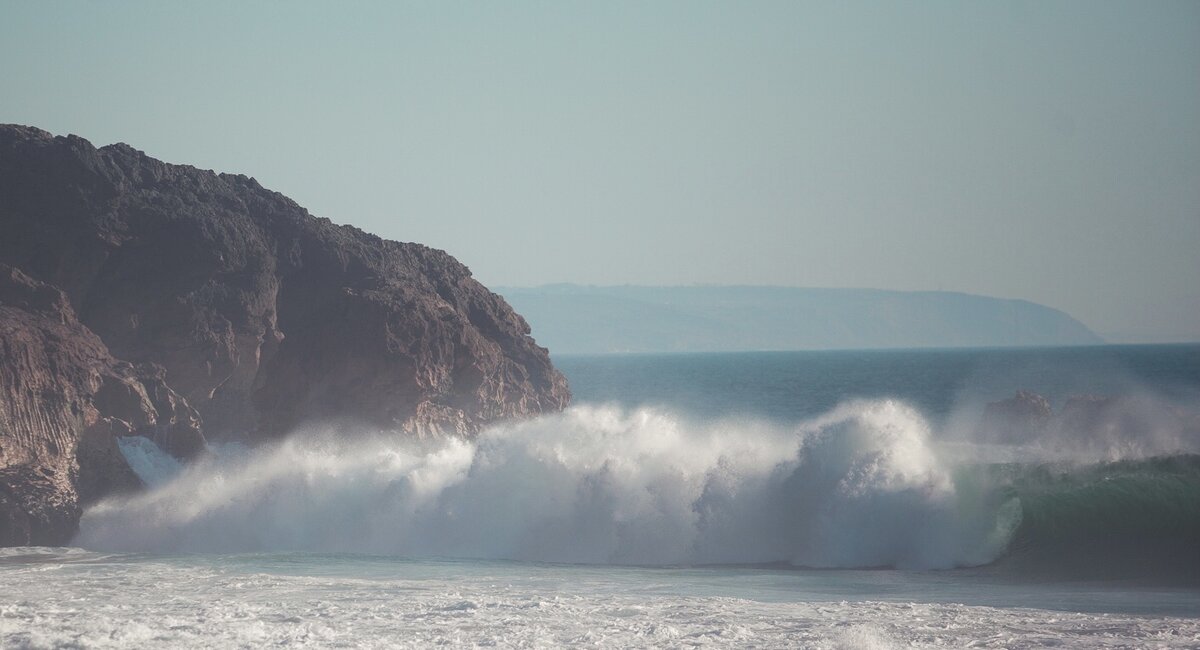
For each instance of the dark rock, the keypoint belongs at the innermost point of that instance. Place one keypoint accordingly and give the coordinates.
(63, 401)
(37, 507)
(1093, 426)
(152, 297)
(102, 469)
(1024, 405)
(1019, 418)
(1129, 424)
(262, 315)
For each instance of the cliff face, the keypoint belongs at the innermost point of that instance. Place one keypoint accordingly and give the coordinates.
(233, 306)
(63, 402)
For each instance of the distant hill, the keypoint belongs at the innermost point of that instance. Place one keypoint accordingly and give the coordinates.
(570, 319)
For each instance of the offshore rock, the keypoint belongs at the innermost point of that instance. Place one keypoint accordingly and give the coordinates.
(260, 315)
(1022, 417)
(1105, 427)
(63, 402)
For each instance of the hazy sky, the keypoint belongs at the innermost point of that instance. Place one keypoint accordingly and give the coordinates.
(1040, 150)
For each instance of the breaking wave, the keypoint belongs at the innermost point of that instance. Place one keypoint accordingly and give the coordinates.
(865, 485)
(1122, 520)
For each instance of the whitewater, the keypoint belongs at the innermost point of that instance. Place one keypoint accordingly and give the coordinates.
(865, 506)
(859, 487)
(73, 598)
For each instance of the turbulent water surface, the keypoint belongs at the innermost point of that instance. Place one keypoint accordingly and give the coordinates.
(855, 499)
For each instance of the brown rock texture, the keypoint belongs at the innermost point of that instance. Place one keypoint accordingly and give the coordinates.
(63, 401)
(262, 315)
(143, 298)
(139, 298)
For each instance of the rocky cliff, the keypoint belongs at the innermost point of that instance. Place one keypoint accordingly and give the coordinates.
(64, 400)
(231, 305)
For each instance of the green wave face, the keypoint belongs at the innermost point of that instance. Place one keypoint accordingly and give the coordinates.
(1135, 520)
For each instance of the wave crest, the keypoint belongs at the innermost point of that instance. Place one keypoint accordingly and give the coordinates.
(860, 486)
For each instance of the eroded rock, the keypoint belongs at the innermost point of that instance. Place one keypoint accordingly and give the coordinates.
(157, 300)
(64, 400)
(263, 316)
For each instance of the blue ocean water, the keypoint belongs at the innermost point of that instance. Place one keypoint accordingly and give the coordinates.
(808, 499)
(794, 385)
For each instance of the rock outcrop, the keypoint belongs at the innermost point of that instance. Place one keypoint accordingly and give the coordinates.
(225, 303)
(1092, 426)
(63, 402)
(1019, 418)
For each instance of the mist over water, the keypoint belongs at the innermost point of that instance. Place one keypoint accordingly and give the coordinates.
(860, 486)
(793, 386)
(1076, 527)
(872, 482)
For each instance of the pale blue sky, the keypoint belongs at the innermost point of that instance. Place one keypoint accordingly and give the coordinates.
(1040, 150)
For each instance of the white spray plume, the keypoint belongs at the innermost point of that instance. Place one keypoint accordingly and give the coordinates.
(860, 486)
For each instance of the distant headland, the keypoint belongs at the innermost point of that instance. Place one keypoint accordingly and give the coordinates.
(571, 319)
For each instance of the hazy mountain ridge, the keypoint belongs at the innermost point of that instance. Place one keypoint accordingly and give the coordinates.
(569, 318)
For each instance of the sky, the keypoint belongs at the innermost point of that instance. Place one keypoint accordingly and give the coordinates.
(1048, 151)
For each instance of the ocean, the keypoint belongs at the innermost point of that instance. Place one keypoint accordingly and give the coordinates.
(842, 499)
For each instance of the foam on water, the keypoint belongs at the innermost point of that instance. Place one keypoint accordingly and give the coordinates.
(115, 602)
(860, 486)
(868, 483)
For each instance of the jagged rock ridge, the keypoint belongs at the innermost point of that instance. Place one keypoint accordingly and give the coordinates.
(242, 307)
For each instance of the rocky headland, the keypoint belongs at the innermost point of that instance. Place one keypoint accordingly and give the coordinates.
(143, 298)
